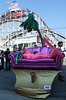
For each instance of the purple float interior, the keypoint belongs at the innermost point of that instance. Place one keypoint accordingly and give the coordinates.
(44, 63)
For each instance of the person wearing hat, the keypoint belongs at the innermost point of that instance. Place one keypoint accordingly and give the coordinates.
(7, 59)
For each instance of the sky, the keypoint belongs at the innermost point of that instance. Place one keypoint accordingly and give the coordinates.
(53, 12)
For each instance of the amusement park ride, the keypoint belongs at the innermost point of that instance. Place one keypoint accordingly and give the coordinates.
(34, 77)
(12, 35)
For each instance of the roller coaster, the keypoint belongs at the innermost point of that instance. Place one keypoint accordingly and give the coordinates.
(11, 34)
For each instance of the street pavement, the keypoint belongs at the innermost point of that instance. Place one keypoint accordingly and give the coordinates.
(7, 90)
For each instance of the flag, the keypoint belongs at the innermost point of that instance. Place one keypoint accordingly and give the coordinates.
(11, 7)
(8, 2)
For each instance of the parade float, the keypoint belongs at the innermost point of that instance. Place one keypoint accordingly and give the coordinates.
(34, 77)
(35, 73)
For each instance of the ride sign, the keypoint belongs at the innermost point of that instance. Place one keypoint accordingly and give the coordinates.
(13, 14)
